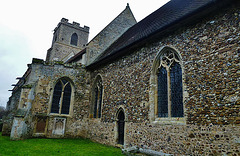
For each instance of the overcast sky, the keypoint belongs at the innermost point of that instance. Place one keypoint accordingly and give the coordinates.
(26, 28)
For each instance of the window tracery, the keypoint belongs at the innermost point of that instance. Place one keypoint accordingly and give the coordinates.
(169, 85)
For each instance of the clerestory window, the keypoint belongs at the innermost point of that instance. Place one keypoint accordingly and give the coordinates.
(74, 39)
(169, 85)
(61, 97)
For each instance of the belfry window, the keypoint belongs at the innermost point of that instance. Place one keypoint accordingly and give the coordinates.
(74, 39)
(61, 97)
(169, 85)
(97, 97)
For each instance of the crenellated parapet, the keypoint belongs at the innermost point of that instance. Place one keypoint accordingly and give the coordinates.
(74, 24)
(68, 40)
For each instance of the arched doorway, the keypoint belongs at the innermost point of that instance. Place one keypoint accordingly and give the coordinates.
(121, 124)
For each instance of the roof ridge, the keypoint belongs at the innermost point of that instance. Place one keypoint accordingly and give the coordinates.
(126, 8)
(168, 15)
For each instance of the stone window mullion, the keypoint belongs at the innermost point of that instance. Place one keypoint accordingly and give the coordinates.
(97, 115)
(169, 91)
(99, 103)
(61, 99)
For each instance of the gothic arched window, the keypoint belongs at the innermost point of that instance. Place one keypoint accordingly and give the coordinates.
(97, 97)
(169, 85)
(61, 97)
(74, 39)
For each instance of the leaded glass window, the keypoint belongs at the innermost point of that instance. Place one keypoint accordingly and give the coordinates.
(56, 97)
(61, 97)
(74, 39)
(66, 99)
(95, 103)
(169, 82)
(162, 93)
(176, 90)
(97, 94)
(100, 103)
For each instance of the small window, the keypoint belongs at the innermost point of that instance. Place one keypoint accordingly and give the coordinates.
(74, 39)
(61, 97)
(97, 97)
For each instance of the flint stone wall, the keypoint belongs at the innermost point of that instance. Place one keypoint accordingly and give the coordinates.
(210, 55)
(110, 34)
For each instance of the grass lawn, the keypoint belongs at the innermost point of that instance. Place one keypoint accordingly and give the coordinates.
(46, 147)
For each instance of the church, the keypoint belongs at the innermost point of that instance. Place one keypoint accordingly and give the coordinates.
(168, 83)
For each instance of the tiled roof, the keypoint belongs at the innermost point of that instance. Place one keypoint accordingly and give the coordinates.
(166, 16)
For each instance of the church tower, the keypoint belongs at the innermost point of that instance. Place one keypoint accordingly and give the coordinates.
(68, 40)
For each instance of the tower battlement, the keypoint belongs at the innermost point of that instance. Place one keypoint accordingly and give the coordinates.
(68, 39)
(73, 24)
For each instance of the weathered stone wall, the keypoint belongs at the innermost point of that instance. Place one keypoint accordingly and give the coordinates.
(185, 140)
(11, 109)
(22, 122)
(110, 34)
(94, 129)
(210, 60)
(62, 52)
(47, 77)
(210, 57)
(36, 96)
(66, 31)
(61, 48)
